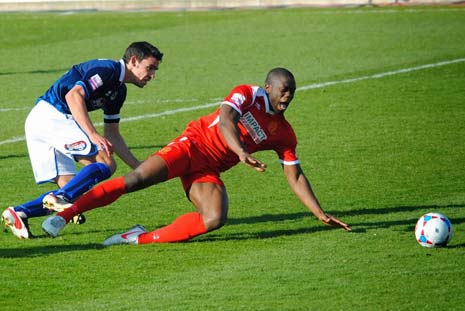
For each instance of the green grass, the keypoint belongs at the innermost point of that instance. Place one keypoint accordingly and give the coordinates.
(379, 153)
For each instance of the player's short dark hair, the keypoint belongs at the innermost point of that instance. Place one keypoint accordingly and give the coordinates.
(279, 73)
(142, 50)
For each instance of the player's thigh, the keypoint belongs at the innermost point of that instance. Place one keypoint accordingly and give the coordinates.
(211, 201)
(52, 140)
(54, 130)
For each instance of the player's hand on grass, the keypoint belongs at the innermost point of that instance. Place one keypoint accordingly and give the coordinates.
(330, 220)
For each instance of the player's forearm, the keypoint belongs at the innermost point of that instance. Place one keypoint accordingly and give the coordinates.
(121, 149)
(303, 190)
(309, 199)
(77, 106)
(82, 118)
(128, 157)
(228, 128)
(231, 136)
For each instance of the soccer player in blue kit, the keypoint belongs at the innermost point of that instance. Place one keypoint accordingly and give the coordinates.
(59, 131)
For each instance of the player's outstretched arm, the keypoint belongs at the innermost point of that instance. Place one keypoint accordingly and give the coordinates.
(303, 190)
(111, 131)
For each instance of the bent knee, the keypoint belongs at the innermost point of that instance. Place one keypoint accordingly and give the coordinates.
(213, 222)
(103, 157)
(112, 165)
(110, 162)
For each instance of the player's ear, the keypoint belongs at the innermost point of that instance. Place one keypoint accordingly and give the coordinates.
(268, 88)
(133, 61)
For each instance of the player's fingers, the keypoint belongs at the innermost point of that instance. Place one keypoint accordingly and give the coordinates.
(250, 161)
(333, 221)
(341, 224)
(346, 227)
(259, 166)
(106, 147)
(110, 147)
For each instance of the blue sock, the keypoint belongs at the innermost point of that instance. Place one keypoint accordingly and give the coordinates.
(85, 179)
(34, 208)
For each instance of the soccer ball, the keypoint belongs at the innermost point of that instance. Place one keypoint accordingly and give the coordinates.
(433, 230)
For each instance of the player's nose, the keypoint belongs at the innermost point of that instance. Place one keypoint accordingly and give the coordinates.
(152, 75)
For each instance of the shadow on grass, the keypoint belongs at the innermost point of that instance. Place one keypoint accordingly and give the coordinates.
(359, 212)
(409, 223)
(14, 156)
(361, 227)
(36, 251)
(357, 227)
(462, 245)
(38, 71)
(397, 209)
(262, 234)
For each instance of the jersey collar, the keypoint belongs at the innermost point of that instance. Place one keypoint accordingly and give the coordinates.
(267, 103)
(123, 71)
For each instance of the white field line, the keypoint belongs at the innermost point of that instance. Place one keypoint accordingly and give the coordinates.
(302, 88)
(382, 10)
(14, 109)
(12, 140)
(380, 75)
(166, 113)
(386, 11)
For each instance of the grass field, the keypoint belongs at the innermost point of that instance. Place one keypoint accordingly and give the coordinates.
(382, 144)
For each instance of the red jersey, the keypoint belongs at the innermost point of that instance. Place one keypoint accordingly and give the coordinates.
(260, 129)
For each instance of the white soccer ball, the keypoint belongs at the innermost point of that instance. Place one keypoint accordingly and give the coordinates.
(433, 230)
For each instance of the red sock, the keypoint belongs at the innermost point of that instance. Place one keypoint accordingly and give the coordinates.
(101, 195)
(183, 228)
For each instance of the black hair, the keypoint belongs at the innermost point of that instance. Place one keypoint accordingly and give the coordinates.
(278, 73)
(142, 50)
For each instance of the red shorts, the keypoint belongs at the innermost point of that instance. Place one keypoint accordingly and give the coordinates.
(184, 160)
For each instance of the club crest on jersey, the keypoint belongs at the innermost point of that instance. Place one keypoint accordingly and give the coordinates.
(95, 82)
(98, 103)
(76, 146)
(165, 150)
(253, 128)
(237, 99)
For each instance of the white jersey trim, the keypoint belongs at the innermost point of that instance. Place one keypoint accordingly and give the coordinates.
(258, 91)
(232, 106)
(289, 162)
(111, 116)
(123, 71)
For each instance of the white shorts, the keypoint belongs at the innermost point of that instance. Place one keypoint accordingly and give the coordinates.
(53, 139)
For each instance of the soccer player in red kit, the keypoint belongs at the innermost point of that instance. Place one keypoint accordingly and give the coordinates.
(251, 118)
